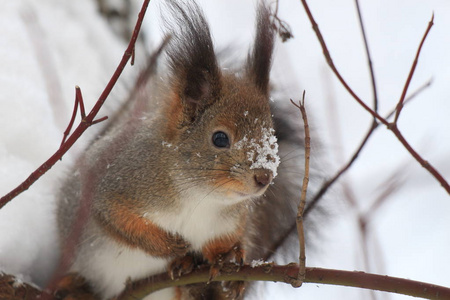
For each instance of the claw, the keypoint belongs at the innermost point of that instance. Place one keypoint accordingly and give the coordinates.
(219, 261)
(180, 266)
(238, 254)
(215, 268)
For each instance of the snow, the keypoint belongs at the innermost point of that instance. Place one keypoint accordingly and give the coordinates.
(31, 122)
(257, 263)
(408, 235)
(263, 154)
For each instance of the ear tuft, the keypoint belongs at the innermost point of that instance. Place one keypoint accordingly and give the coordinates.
(260, 58)
(195, 75)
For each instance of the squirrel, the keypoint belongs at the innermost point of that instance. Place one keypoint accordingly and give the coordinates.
(185, 178)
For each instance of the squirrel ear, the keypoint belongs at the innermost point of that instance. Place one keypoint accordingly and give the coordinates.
(260, 58)
(195, 72)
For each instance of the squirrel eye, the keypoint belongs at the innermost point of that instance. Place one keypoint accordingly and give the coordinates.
(220, 139)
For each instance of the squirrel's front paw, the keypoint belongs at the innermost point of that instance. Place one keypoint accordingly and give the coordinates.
(217, 264)
(181, 265)
(177, 246)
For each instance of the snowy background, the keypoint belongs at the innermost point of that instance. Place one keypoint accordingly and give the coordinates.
(47, 49)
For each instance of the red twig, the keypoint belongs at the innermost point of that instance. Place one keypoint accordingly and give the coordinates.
(369, 58)
(135, 101)
(79, 99)
(373, 127)
(411, 72)
(90, 178)
(86, 122)
(393, 127)
(141, 288)
(333, 67)
(72, 120)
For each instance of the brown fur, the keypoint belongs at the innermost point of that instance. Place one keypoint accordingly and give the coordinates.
(156, 174)
(74, 287)
(133, 230)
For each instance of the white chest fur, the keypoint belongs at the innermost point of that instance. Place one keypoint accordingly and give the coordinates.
(201, 217)
(108, 265)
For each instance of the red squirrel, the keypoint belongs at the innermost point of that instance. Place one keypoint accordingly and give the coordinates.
(186, 176)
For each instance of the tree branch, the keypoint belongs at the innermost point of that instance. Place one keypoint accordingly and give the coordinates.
(11, 288)
(286, 273)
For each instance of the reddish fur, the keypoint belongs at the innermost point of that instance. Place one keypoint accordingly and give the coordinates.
(181, 265)
(219, 246)
(178, 293)
(223, 182)
(173, 115)
(131, 229)
(223, 246)
(74, 287)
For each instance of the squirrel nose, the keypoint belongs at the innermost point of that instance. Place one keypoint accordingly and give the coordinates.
(263, 177)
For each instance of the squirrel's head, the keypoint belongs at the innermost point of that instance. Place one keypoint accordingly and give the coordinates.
(219, 123)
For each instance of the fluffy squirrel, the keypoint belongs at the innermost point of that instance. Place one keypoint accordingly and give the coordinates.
(187, 175)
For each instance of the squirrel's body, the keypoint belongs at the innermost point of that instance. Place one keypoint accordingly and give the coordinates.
(179, 177)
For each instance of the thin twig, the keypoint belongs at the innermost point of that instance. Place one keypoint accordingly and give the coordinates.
(79, 98)
(139, 86)
(71, 122)
(331, 64)
(365, 248)
(283, 28)
(391, 185)
(411, 72)
(411, 96)
(86, 122)
(327, 184)
(99, 120)
(391, 126)
(90, 180)
(369, 58)
(301, 206)
(344, 169)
